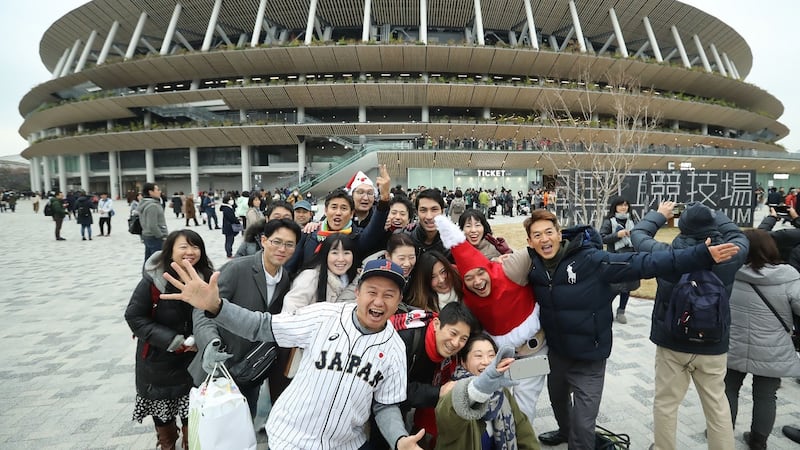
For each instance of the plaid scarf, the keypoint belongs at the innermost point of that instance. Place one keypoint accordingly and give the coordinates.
(499, 414)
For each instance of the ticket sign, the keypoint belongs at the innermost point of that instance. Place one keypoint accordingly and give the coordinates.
(494, 173)
(729, 191)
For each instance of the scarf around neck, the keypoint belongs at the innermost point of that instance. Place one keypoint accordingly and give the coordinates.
(324, 231)
(498, 414)
(616, 226)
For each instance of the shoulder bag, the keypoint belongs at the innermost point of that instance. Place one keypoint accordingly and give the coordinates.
(795, 338)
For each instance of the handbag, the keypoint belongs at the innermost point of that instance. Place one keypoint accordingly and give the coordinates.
(792, 333)
(499, 243)
(605, 439)
(219, 418)
(237, 227)
(253, 368)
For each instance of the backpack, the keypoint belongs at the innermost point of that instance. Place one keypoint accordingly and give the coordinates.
(699, 308)
(134, 225)
(458, 206)
(48, 209)
(84, 210)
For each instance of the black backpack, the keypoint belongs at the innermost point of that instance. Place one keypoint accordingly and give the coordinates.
(134, 225)
(48, 209)
(84, 210)
(699, 308)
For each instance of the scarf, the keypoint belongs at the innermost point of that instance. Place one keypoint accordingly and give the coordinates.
(430, 344)
(617, 226)
(499, 416)
(324, 232)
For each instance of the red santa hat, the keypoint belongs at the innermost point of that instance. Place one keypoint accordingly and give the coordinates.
(357, 180)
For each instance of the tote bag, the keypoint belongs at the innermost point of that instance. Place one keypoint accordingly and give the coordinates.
(219, 418)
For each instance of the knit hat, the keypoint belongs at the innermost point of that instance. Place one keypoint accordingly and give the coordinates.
(357, 180)
(697, 220)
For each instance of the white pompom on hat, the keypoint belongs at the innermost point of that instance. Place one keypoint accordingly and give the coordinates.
(357, 180)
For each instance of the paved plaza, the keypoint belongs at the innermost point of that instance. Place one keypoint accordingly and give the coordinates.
(68, 355)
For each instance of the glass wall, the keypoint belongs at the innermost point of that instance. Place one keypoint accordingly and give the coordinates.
(173, 157)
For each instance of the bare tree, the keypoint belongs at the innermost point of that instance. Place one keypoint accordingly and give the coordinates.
(599, 129)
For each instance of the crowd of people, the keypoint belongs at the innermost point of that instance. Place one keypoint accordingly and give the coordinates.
(437, 310)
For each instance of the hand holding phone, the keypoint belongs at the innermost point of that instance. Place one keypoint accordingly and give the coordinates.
(532, 366)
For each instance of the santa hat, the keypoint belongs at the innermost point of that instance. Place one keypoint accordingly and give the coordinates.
(357, 180)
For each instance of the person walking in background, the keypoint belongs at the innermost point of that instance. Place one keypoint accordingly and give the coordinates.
(189, 211)
(151, 216)
(253, 213)
(208, 206)
(59, 211)
(36, 199)
(616, 234)
(163, 331)
(177, 204)
(105, 206)
(765, 295)
(230, 223)
(83, 214)
(241, 205)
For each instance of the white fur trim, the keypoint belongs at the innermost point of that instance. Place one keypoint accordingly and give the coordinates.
(522, 333)
(449, 232)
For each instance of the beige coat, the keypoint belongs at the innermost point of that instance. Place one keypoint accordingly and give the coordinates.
(304, 290)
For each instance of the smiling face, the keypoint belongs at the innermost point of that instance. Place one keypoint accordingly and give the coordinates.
(339, 260)
(450, 339)
(404, 256)
(182, 250)
(473, 230)
(622, 208)
(338, 213)
(479, 357)
(376, 300)
(427, 210)
(275, 248)
(478, 282)
(440, 279)
(544, 238)
(302, 216)
(279, 212)
(398, 216)
(364, 198)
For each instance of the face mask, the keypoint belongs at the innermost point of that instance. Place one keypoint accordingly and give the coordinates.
(621, 216)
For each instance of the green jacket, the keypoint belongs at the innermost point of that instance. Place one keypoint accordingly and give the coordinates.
(457, 432)
(59, 212)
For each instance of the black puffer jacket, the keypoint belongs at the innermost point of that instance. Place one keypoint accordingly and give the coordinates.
(159, 374)
(575, 301)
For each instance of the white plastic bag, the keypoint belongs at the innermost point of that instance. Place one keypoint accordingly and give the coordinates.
(219, 418)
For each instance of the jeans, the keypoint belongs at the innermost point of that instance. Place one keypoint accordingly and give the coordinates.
(152, 245)
(59, 221)
(85, 228)
(764, 389)
(229, 244)
(212, 215)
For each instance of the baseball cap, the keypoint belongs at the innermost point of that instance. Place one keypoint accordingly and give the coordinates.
(384, 268)
(303, 204)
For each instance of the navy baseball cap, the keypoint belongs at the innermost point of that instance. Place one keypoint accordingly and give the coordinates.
(384, 268)
(303, 204)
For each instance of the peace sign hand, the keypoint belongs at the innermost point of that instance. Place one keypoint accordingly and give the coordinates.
(383, 182)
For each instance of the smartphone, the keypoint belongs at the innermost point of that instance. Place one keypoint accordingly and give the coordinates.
(533, 366)
(678, 209)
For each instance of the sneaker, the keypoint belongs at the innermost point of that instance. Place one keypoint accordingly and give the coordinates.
(621, 316)
(552, 438)
(60, 239)
(83, 238)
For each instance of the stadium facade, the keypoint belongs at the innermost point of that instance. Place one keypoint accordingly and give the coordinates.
(235, 94)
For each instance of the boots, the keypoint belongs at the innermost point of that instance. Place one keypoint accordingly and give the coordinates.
(755, 441)
(621, 316)
(185, 436)
(167, 436)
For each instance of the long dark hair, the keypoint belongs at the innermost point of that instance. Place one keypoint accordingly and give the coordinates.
(421, 294)
(203, 265)
(763, 249)
(320, 259)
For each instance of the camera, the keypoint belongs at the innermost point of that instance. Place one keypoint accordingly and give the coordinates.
(678, 209)
(781, 210)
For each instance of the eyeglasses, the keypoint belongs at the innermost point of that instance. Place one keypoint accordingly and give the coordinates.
(280, 243)
(362, 192)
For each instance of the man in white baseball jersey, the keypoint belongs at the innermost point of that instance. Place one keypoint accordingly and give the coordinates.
(353, 362)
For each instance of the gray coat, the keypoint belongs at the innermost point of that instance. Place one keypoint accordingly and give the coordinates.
(759, 344)
(151, 216)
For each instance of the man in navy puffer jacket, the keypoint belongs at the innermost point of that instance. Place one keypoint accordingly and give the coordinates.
(570, 276)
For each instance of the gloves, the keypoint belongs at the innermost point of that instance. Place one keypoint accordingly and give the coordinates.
(212, 355)
(449, 232)
(491, 380)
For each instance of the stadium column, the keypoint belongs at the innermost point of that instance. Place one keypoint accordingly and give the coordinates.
(718, 60)
(262, 8)
(735, 70)
(534, 40)
(312, 14)
(423, 21)
(113, 175)
(702, 53)
(112, 33)
(194, 172)
(623, 49)
(32, 174)
(362, 116)
(479, 23)
(576, 22)
(212, 24)
(46, 182)
(246, 178)
(137, 34)
(73, 53)
(84, 168)
(149, 166)
(61, 62)
(652, 37)
(173, 24)
(367, 21)
(681, 48)
(301, 160)
(727, 63)
(36, 182)
(86, 51)
(62, 174)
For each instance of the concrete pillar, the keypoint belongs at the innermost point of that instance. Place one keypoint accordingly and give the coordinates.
(621, 46)
(362, 114)
(212, 25)
(676, 125)
(423, 21)
(108, 43)
(242, 116)
(301, 114)
(173, 24)
(137, 34)
(704, 129)
(46, 175)
(194, 171)
(262, 7)
(312, 14)
(702, 53)
(486, 114)
(36, 171)
(531, 26)
(367, 24)
(247, 179)
(86, 51)
(718, 60)
(61, 62)
(301, 160)
(62, 174)
(576, 22)
(84, 168)
(426, 113)
(73, 53)
(681, 48)
(727, 63)
(652, 37)
(479, 33)
(114, 176)
(149, 166)
(148, 117)
(32, 175)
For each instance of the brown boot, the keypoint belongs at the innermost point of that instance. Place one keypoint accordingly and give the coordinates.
(167, 436)
(185, 436)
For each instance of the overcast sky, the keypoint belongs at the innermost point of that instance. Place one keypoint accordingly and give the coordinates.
(767, 27)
